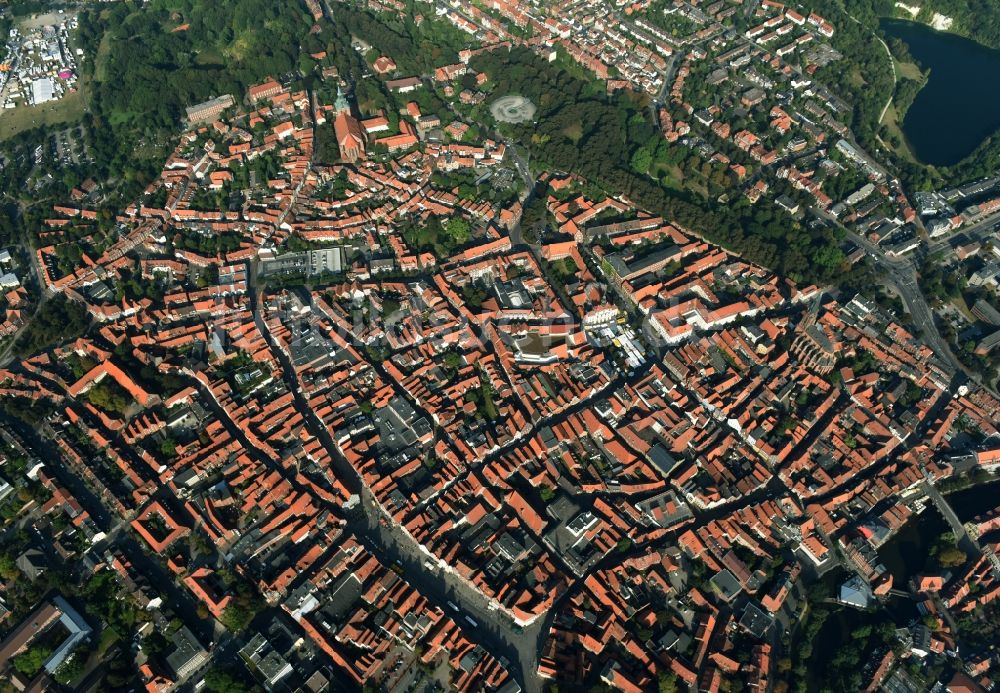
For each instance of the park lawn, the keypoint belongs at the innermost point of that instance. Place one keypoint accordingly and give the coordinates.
(119, 117)
(962, 307)
(697, 187)
(65, 110)
(109, 636)
(101, 59)
(240, 47)
(574, 132)
(670, 175)
(857, 80)
(210, 56)
(891, 123)
(908, 71)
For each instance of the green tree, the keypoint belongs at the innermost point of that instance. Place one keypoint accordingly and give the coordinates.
(668, 683)
(458, 230)
(71, 669)
(642, 159)
(8, 568)
(235, 619)
(168, 448)
(228, 680)
(951, 557)
(30, 662)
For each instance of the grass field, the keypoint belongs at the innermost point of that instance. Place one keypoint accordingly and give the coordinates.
(891, 123)
(671, 176)
(962, 307)
(101, 59)
(67, 109)
(891, 119)
(908, 71)
(17, 120)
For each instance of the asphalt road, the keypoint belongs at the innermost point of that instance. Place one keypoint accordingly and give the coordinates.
(901, 275)
(977, 232)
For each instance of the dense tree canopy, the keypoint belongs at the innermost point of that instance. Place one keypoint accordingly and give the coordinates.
(151, 62)
(58, 319)
(976, 19)
(415, 49)
(610, 139)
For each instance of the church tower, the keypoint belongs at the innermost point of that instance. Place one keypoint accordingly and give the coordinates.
(341, 105)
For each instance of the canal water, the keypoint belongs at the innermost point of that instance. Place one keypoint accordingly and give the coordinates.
(975, 501)
(960, 105)
(906, 554)
(838, 629)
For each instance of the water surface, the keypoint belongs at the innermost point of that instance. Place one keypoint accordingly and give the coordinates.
(960, 105)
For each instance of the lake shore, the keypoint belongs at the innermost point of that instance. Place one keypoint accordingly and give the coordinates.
(956, 110)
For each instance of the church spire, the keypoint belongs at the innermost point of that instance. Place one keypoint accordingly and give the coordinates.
(341, 104)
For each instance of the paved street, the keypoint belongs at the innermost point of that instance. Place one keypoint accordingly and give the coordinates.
(901, 275)
(977, 232)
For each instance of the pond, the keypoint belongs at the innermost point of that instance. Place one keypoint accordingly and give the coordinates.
(973, 502)
(960, 105)
(905, 554)
(826, 666)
